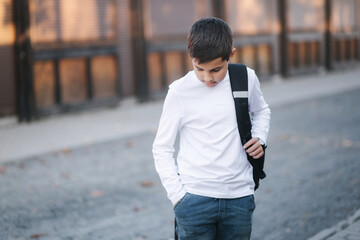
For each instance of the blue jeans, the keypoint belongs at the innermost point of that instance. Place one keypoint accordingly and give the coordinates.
(206, 218)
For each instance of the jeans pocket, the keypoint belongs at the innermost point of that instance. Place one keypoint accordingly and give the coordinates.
(180, 201)
(244, 204)
(252, 203)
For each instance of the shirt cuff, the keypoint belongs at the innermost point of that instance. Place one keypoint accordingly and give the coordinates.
(262, 142)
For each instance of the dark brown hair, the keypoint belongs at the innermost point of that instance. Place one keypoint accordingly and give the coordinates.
(210, 38)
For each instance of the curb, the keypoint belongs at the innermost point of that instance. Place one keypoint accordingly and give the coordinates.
(341, 226)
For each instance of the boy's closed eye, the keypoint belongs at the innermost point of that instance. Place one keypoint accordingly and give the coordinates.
(212, 70)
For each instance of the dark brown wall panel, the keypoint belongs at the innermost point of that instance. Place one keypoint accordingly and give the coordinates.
(7, 79)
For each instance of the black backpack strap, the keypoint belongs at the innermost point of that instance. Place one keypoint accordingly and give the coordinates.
(239, 86)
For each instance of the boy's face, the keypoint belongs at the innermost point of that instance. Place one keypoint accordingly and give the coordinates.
(213, 72)
(210, 73)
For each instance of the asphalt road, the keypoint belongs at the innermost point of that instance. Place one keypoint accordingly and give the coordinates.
(313, 166)
(111, 190)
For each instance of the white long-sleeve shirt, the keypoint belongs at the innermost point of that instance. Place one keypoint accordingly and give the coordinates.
(211, 160)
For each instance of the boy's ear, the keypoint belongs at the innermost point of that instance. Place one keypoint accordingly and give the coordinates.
(232, 53)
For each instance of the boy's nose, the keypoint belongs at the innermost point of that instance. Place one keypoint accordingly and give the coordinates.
(208, 78)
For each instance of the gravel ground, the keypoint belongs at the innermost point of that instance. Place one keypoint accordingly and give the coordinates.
(111, 190)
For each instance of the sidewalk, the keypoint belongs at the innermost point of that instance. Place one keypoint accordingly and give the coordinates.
(18, 141)
(22, 141)
(345, 230)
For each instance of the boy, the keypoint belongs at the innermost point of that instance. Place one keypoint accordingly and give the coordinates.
(211, 187)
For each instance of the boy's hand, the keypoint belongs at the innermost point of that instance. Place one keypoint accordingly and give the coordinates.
(254, 148)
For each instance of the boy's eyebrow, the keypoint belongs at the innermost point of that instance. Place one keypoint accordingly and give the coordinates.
(216, 68)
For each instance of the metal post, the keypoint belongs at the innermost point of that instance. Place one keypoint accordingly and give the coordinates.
(256, 58)
(118, 77)
(23, 62)
(357, 43)
(328, 40)
(139, 50)
(283, 38)
(184, 60)
(164, 82)
(58, 99)
(218, 9)
(90, 85)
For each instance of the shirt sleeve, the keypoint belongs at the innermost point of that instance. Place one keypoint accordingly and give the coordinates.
(258, 108)
(163, 146)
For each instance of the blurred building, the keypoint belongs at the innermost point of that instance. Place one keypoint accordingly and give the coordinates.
(62, 55)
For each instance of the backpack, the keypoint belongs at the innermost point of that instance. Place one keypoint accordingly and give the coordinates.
(239, 85)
